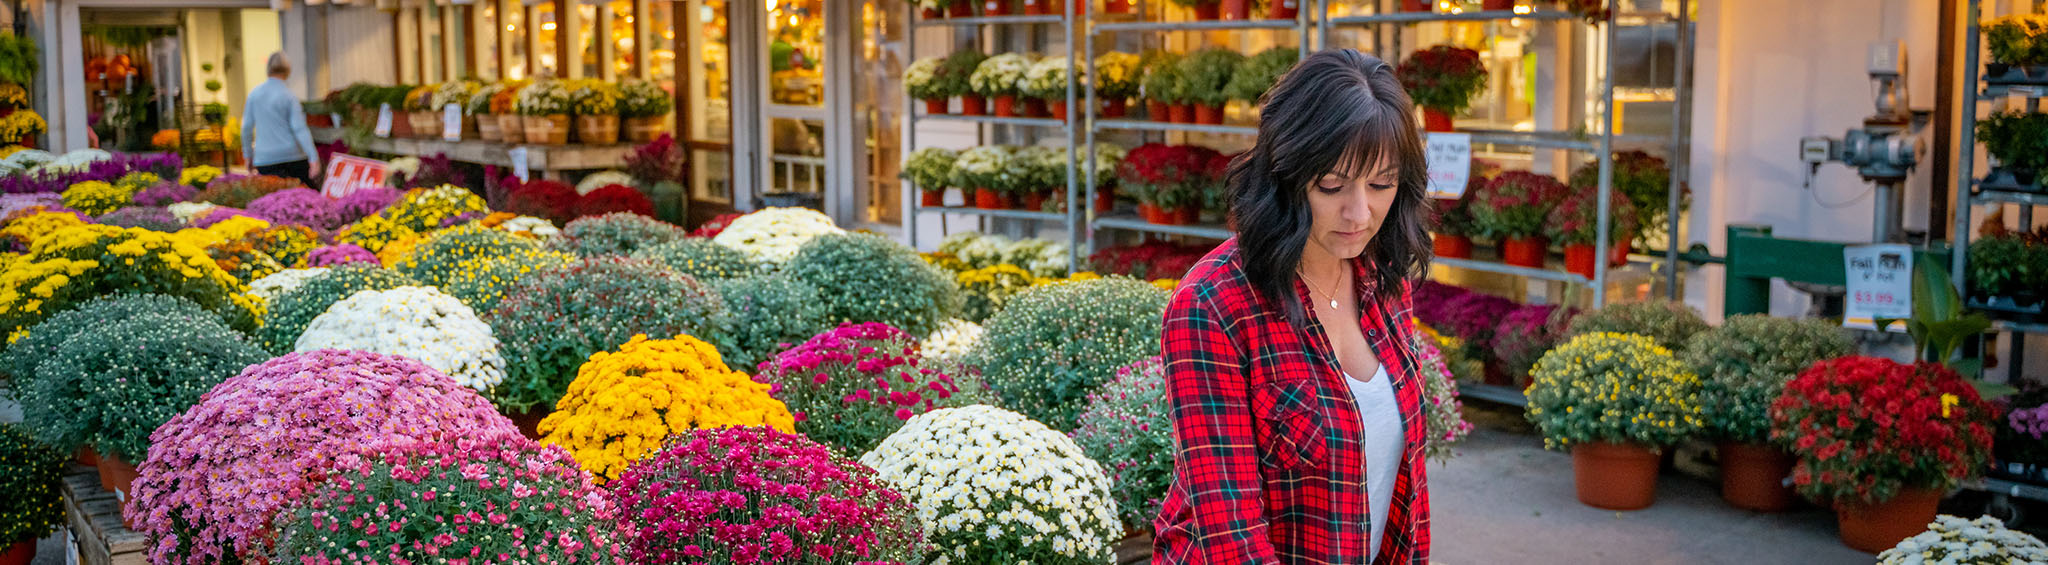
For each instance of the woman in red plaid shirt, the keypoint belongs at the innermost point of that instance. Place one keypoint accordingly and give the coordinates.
(1297, 408)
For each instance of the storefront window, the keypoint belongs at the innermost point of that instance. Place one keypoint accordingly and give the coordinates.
(486, 39)
(878, 106)
(545, 48)
(706, 93)
(796, 34)
(587, 41)
(515, 36)
(661, 44)
(430, 45)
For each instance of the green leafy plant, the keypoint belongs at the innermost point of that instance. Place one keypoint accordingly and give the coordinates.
(20, 59)
(1646, 179)
(1259, 72)
(1055, 344)
(21, 358)
(1162, 82)
(1671, 323)
(1744, 365)
(112, 386)
(1443, 78)
(1939, 327)
(770, 312)
(31, 504)
(617, 233)
(289, 315)
(2017, 40)
(2008, 266)
(702, 259)
(870, 278)
(1611, 387)
(954, 77)
(215, 113)
(930, 168)
(1206, 75)
(2018, 139)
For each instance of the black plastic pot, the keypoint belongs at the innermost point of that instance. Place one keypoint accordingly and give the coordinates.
(810, 200)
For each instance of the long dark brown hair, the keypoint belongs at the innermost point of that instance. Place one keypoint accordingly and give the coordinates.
(1338, 108)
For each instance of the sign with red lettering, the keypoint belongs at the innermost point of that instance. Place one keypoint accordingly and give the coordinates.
(348, 173)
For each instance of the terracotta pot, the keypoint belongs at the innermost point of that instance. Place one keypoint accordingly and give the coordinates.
(930, 14)
(995, 7)
(1035, 8)
(487, 129)
(1872, 528)
(1617, 255)
(21, 553)
(1209, 114)
(973, 105)
(401, 125)
(645, 130)
(1209, 11)
(1034, 108)
(1436, 120)
(988, 199)
(1182, 113)
(529, 422)
(1113, 108)
(118, 477)
(1524, 251)
(960, 9)
(87, 456)
(935, 106)
(597, 130)
(1235, 9)
(1493, 5)
(1116, 6)
(547, 130)
(1059, 109)
(1187, 215)
(933, 198)
(1452, 246)
(511, 129)
(1105, 200)
(1158, 111)
(1617, 476)
(1035, 201)
(1006, 106)
(1283, 9)
(1148, 212)
(1753, 477)
(1414, 5)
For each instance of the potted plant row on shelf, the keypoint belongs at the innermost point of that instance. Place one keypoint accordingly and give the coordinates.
(1197, 88)
(2019, 49)
(994, 177)
(1175, 184)
(1526, 213)
(544, 112)
(1192, 89)
(2009, 275)
(2018, 143)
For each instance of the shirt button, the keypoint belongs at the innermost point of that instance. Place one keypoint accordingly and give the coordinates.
(1372, 333)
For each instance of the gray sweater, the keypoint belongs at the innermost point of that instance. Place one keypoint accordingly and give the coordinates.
(274, 126)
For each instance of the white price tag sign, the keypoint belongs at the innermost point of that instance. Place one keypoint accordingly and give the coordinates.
(384, 120)
(451, 122)
(1880, 281)
(519, 167)
(1450, 163)
(336, 118)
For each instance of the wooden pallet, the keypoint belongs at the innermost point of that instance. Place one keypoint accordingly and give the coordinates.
(94, 517)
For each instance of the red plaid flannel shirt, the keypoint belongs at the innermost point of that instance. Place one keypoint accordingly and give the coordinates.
(1271, 464)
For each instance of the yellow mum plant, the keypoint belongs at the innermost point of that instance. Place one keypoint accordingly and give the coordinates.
(623, 403)
(26, 230)
(78, 263)
(237, 227)
(198, 176)
(96, 198)
(372, 233)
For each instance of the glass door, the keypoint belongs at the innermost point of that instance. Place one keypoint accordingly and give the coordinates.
(794, 115)
(704, 90)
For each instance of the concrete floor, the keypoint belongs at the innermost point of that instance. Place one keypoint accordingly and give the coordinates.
(1504, 499)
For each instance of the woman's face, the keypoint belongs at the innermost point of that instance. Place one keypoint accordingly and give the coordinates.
(1349, 204)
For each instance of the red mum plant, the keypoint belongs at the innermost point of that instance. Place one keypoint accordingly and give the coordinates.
(1151, 260)
(656, 162)
(554, 200)
(856, 384)
(1443, 78)
(757, 495)
(1865, 429)
(715, 226)
(613, 198)
(1515, 204)
(1162, 175)
(1575, 219)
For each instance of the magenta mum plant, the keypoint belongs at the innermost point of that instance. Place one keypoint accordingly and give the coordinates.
(757, 495)
(298, 206)
(852, 386)
(340, 254)
(219, 473)
(362, 203)
(164, 194)
(482, 499)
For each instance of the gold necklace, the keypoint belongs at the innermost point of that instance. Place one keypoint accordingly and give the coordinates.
(1326, 294)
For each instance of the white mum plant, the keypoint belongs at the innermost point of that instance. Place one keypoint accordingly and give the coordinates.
(187, 211)
(1951, 540)
(74, 161)
(603, 179)
(952, 340)
(276, 284)
(1000, 75)
(774, 234)
(537, 228)
(991, 486)
(413, 321)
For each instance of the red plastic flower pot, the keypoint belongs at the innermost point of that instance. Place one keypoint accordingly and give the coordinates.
(1187, 215)
(1872, 528)
(1006, 106)
(988, 199)
(1235, 9)
(1493, 5)
(1183, 113)
(1283, 9)
(1105, 200)
(1113, 108)
(1006, 201)
(995, 7)
(1578, 259)
(1148, 212)
(1059, 109)
(1208, 114)
(21, 553)
(1116, 6)
(1452, 246)
(86, 456)
(973, 105)
(118, 477)
(1524, 251)
(1616, 476)
(1617, 255)
(960, 9)
(1434, 120)
(1158, 111)
(1209, 11)
(1035, 200)
(932, 198)
(1035, 7)
(931, 14)
(1035, 108)
(1753, 477)
(1414, 5)
(935, 106)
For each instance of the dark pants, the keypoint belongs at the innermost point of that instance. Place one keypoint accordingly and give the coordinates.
(292, 170)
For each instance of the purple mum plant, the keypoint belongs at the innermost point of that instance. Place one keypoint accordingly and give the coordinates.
(147, 217)
(339, 254)
(362, 203)
(297, 206)
(164, 194)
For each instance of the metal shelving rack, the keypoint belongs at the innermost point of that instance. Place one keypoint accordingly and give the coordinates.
(912, 205)
(1303, 25)
(1603, 145)
(1975, 190)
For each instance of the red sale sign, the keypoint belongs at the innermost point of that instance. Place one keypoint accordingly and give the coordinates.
(348, 173)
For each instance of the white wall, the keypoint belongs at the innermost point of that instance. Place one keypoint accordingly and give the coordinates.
(359, 46)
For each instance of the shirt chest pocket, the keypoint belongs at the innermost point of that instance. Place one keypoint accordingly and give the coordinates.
(1292, 434)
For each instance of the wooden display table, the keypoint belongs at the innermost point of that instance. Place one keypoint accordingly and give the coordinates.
(95, 521)
(543, 161)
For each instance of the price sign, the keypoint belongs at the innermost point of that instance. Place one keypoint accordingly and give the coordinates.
(348, 173)
(1880, 281)
(451, 123)
(1450, 163)
(519, 163)
(384, 120)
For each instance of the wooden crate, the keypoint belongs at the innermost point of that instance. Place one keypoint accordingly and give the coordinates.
(94, 517)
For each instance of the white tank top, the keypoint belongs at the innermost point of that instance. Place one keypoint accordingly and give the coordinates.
(1384, 442)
